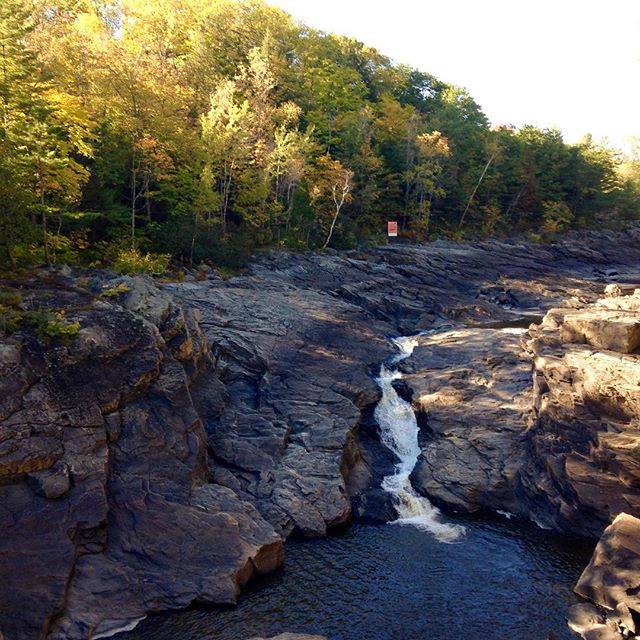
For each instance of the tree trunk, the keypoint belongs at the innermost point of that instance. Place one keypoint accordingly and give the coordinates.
(515, 201)
(133, 198)
(147, 199)
(5, 91)
(45, 236)
(193, 237)
(224, 200)
(333, 224)
(43, 220)
(338, 204)
(473, 193)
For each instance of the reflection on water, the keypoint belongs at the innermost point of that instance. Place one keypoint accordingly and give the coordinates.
(501, 581)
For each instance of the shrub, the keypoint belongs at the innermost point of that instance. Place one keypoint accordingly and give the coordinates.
(47, 325)
(10, 298)
(536, 238)
(131, 261)
(10, 314)
(50, 325)
(226, 272)
(557, 216)
(56, 327)
(10, 320)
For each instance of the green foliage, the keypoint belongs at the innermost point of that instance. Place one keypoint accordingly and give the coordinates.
(113, 292)
(556, 215)
(536, 238)
(132, 261)
(10, 298)
(227, 272)
(52, 326)
(49, 326)
(10, 313)
(207, 129)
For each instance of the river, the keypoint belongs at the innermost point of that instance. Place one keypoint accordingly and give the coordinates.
(501, 580)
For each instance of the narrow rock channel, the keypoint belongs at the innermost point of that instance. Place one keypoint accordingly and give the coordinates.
(399, 432)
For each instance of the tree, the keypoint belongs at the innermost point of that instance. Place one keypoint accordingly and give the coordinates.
(207, 128)
(43, 130)
(423, 178)
(226, 131)
(330, 191)
(493, 149)
(287, 165)
(556, 215)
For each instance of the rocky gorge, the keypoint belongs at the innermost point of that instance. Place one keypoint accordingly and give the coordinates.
(162, 455)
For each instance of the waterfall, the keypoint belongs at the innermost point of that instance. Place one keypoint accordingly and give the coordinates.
(399, 432)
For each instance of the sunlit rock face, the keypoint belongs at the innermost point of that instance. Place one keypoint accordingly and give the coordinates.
(583, 465)
(471, 389)
(541, 423)
(611, 582)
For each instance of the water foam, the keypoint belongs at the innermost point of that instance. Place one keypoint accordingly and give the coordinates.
(399, 432)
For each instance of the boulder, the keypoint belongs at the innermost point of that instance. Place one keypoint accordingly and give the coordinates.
(591, 623)
(611, 582)
(52, 483)
(612, 290)
(613, 575)
(603, 329)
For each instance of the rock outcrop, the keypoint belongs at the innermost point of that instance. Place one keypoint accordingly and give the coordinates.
(162, 455)
(294, 366)
(565, 451)
(583, 462)
(471, 389)
(107, 512)
(611, 582)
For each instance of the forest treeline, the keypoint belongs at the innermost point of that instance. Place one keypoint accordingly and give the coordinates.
(206, 129)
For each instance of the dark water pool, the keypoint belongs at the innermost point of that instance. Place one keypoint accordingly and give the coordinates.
(502, 582)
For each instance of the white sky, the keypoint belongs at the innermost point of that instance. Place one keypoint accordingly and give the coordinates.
(573, 64)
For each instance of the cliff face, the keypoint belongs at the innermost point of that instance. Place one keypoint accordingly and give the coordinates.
(163, 454)
(471, 389)
(106, 511)
(611, 582)
(583, 463)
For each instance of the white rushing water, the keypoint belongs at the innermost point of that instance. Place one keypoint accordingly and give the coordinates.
(399, 432)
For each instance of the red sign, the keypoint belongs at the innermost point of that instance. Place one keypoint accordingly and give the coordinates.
(392, 229)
